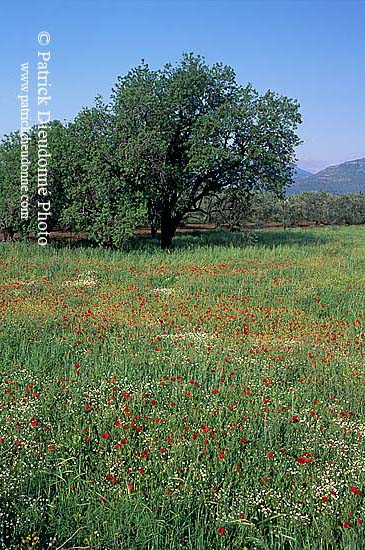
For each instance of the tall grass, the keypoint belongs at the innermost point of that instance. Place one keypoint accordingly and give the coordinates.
(212, 397)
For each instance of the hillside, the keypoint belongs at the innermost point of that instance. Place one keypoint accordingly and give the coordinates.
(300, 173)
(348, 177)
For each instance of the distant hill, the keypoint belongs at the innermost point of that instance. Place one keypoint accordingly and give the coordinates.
(348, 177)
(300, 173)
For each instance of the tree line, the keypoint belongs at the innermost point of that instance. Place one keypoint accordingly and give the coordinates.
(167, 142)
(260, 209)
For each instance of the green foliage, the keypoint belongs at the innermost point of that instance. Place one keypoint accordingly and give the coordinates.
(185, 132)
(97, 197)
(237, 209)
(10, 191)
(169, 140)
(10, 179)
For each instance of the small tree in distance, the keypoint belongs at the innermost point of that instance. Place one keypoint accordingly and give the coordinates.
(189, 131)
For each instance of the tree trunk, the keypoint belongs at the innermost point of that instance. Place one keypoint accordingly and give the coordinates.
(153, 230)
(168, 229)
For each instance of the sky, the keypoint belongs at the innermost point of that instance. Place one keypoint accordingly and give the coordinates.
(310, 50)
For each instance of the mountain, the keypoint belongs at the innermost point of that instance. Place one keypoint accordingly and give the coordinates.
(300, 173)
(348, 177)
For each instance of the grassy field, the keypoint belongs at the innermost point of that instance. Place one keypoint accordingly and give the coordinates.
(210, 398)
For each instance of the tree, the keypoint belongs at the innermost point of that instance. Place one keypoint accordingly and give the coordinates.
(12, 197)
(10, 192)
(97, 197)
(189, 131)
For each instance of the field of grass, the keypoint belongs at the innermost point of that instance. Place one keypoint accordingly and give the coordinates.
(210, 398)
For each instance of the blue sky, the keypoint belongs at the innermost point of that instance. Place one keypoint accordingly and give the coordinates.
(310, 50)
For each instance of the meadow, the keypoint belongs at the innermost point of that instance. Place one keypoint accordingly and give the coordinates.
(209, 398)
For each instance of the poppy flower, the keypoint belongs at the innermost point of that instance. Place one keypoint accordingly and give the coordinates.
(111, 478)
(304, 459)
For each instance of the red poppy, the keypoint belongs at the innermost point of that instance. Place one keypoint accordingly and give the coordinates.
(304, 460)
(111, 478)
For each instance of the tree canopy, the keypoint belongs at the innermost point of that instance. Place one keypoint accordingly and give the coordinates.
(166, 142)
(188, 131)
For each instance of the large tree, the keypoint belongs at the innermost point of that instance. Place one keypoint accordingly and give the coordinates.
(189, 131)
